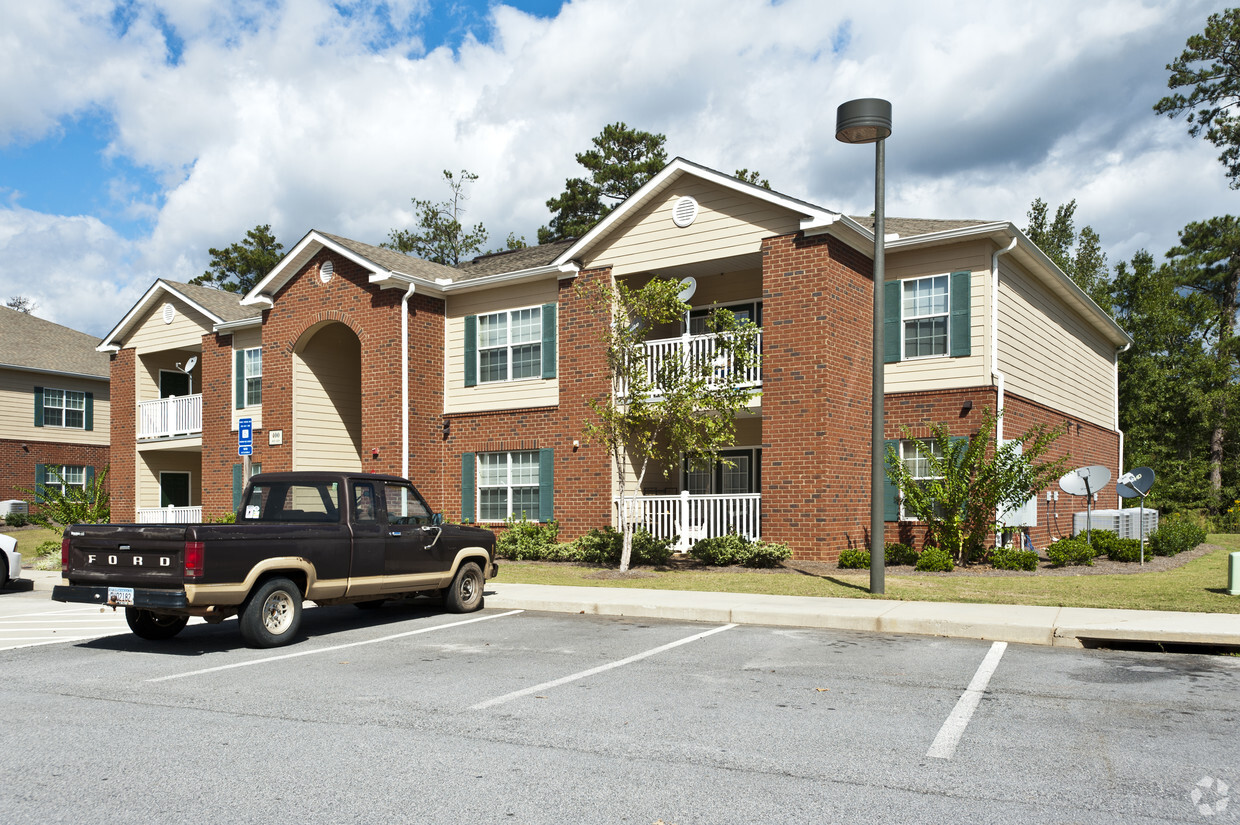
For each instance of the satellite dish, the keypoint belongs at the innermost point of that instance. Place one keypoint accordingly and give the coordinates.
(1084, 481)
(1135, 484)
(687, 287)
(189, 365)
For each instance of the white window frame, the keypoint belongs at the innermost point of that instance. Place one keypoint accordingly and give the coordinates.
(56, 476)
(507, 346)
(252, 382)
(64, 408)
(715, 471)
(507, 486)
(946, 315)
(910, 451)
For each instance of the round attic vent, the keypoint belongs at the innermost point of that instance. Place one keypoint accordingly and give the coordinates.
(170, 312)
(326, 270)
(684, 212)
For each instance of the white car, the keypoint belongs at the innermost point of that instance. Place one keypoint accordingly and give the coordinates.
(10, 560)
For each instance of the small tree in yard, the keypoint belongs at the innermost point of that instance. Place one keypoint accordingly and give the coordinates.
(967, 481)
(661, 408)
(89, 504)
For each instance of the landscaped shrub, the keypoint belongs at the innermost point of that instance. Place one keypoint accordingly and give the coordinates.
(1126, 550)
(1176, 534)
(855, 560)
(734, 549)
(1101, 540)
(1012, 558)
(1067, 552)
(16, 520)
(526, 540)
(934, 560)
(605, 546)
(896, 553)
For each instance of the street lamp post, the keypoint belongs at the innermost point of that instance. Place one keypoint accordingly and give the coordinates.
(868, 120)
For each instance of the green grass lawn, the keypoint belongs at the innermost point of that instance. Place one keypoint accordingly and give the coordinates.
(28, 541)
(1197, 586)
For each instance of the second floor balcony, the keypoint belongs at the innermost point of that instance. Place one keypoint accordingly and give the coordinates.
(701, 351)
(170, 417)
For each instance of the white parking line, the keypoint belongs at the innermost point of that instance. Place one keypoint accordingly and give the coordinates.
(334, 647)
(517, 694)
(949, 735)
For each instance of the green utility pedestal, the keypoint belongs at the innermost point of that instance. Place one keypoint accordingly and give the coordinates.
(1233, 574)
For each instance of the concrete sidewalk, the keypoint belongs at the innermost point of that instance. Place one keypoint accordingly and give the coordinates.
(1058, 626)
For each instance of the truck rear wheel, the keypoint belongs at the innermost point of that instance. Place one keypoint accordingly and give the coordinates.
(272, 614)
(148, 625)
(465, 594)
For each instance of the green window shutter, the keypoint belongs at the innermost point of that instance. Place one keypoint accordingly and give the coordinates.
(960, 332)
(467, 487)
(240, 379)
(471, 350)
(89, 473)
(237, 487)
(38, 406)
(90, 411)
(546, 485)
(40, 478)
(891, 322)
(891, 493)
(548, 341)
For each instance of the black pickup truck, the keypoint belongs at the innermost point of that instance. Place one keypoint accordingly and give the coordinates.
(332, 538)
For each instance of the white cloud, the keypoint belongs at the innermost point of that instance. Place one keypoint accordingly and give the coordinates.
(302, 116)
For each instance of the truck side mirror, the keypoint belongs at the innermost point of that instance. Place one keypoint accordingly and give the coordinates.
(437, 518)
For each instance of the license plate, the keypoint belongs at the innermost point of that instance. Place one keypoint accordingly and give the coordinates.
(120, 595)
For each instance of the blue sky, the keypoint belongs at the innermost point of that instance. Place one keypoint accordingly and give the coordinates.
(136, 135)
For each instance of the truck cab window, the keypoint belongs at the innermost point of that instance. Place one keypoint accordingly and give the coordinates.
(404, 506)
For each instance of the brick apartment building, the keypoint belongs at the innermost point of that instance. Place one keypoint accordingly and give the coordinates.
(54, 406)
(473, 380)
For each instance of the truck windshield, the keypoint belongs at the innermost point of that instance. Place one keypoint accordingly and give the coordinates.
(302, 502)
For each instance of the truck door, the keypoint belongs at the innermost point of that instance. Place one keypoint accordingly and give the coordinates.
(410, 549)
(369, 532)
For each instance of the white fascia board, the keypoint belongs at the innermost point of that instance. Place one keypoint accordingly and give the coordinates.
(229, 327)
(536, 273)
(58, 373)
(255, 297)
(843, 227)
(392, 279)
(108, 344)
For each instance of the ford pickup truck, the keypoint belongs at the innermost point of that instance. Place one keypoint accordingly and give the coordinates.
(330, 538)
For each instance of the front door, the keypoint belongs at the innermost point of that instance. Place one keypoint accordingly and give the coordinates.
(174, 384)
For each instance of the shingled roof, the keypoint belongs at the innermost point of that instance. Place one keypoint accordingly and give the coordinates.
(516, 260)
(909, 227)
(32, 343)
(224, 305)
(393, 260)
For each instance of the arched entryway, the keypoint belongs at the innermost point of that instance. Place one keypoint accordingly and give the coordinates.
(327, 399)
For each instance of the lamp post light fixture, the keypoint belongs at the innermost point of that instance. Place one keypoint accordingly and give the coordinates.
(868, 120)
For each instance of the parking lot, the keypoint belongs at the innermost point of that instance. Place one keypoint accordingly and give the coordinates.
(408, 713)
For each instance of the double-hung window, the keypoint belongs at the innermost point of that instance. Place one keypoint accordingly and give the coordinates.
(510, 345)
(64, 408)
(249, 377)
(508, 486)
(925, 303)
(62, 477)
(913, 455)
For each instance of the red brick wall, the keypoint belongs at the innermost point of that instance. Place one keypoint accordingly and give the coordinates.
(219, 440)
(18, 460)
(123, 389)
(816, 366)
(1083, 444)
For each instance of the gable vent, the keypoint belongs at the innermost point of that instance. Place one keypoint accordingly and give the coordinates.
(326, 270)
(684, 212)
(170, 312)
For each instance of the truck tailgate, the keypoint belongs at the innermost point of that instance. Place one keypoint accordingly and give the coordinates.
(132, 555)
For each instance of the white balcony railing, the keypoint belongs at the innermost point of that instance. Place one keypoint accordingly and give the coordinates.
(688, 518)
(170, 417)
(700, 349)
(169, 515)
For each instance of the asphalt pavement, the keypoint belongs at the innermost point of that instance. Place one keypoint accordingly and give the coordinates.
(1024, 624)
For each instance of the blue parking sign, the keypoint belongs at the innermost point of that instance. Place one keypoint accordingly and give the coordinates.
(245, 436)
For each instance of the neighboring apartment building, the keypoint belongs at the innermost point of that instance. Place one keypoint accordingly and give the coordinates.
(474, 380)
(54, 406)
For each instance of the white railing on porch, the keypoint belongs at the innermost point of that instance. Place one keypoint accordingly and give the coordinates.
(700, 349)
(688, 518)
(170, 417)
(169, 515)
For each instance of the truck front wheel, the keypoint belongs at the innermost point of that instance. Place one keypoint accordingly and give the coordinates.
(272, 614)
(465, 594)
(148, 625)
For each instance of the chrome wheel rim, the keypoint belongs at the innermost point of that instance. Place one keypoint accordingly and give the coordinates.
(469, 586)
(278, 612)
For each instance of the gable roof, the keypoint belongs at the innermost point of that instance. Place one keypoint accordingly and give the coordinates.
(216, 305)
(33, 344)
(907, 227)
(516, 260)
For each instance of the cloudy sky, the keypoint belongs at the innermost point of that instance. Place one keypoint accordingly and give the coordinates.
(136, 135)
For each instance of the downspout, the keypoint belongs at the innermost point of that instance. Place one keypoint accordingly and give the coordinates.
(994, 337)
(404, 381)
(1120, 459)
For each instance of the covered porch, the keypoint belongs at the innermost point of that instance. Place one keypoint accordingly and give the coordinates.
(686, 518)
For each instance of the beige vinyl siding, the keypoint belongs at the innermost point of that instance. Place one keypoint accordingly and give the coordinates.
(496, 395)
(185, 332)
(151, 464)
(150, 365)
(924, 374)
(728, 224)
(748, 434)
(17, 408)
(242, 340)
(327, 420)
(742, 286)
(1049, 354)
